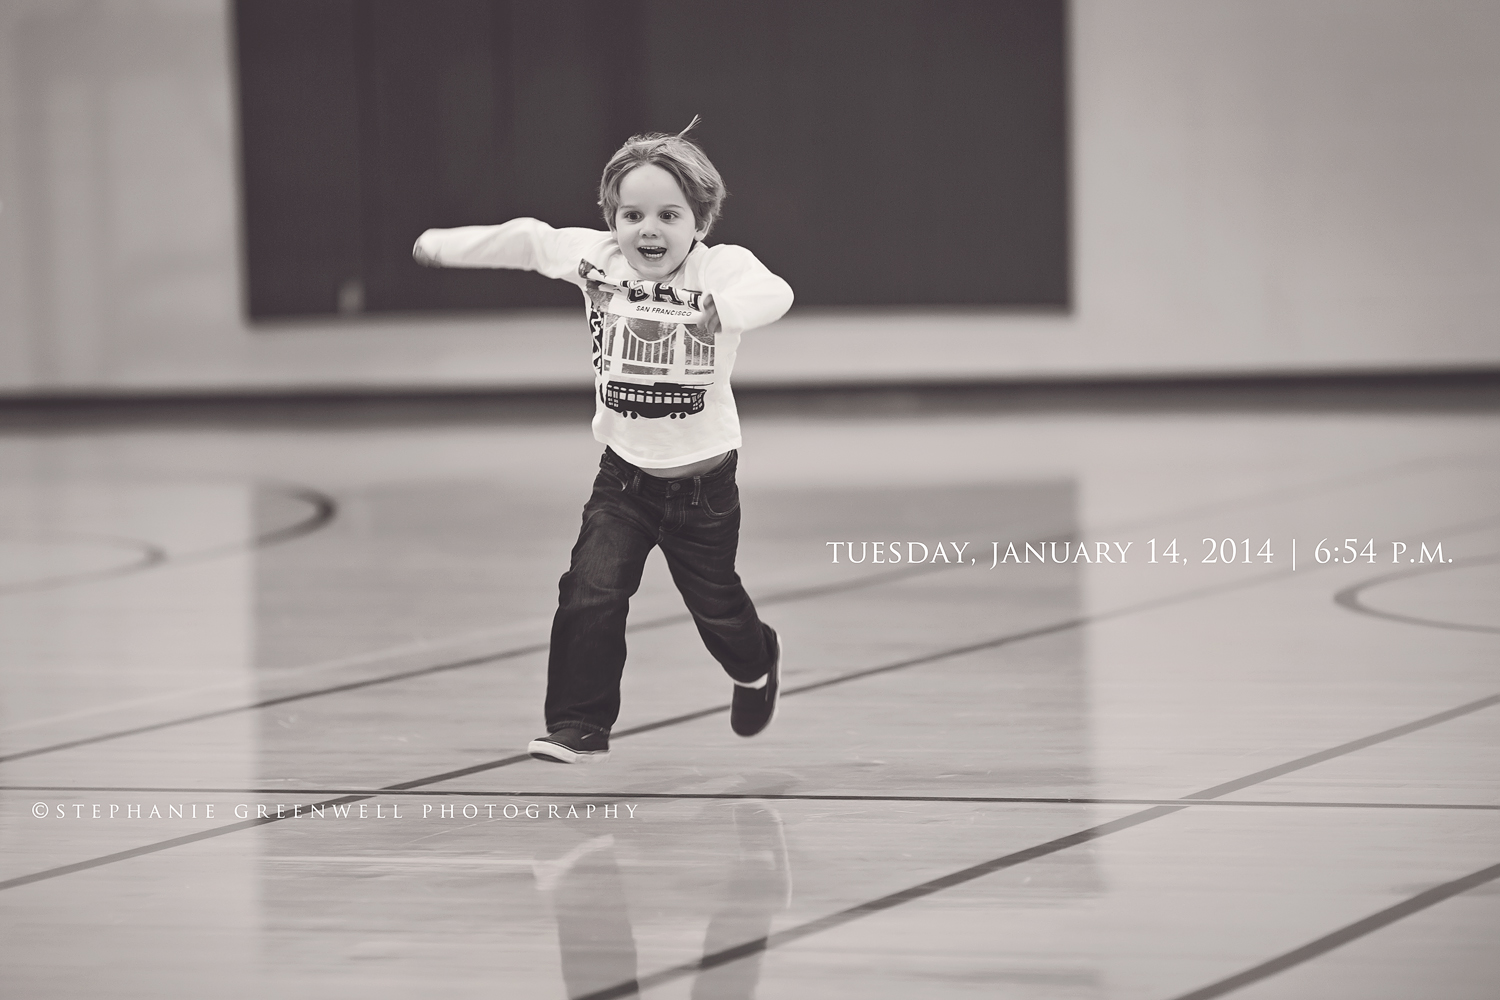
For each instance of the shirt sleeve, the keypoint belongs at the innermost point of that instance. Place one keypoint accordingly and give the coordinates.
(745, 293)
(522, 244)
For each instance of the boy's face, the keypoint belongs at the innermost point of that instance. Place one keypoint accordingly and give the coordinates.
(654, 223)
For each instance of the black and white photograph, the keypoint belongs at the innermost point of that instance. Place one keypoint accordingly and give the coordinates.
(729, 499)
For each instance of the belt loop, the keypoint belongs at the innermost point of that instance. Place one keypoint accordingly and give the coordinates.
(697, 489)
(635, 483)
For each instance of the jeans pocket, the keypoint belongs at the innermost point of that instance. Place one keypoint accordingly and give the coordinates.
(721, 500)
(611, 480)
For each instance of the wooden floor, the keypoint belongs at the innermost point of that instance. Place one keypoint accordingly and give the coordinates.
(1045, 780)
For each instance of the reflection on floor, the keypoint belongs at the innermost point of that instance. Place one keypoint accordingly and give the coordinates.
(1062, 716)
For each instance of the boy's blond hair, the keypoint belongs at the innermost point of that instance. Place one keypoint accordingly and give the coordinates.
(677, 155)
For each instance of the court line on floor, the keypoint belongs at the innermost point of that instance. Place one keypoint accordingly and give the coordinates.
(870, 907)
(713, 960)
(147, 555)
(682, 618)
(702, 713)
(616, 794)
(1006, 861)
(324, 510)
(1349, 597)
(729, 955)
(368, 658)
(1346, 934)
(1278, 495)
(676, 618)
(794, 594)
(782, 597)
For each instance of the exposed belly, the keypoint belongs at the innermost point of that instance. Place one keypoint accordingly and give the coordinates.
(691, 469)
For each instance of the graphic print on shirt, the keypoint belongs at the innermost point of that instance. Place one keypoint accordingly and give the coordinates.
(654, 354)
(598, 302)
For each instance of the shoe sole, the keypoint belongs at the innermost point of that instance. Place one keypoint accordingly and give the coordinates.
(555, 754)
(776, 671)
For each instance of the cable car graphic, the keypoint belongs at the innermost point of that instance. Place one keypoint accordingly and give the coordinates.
(659, 399)
(636, 345)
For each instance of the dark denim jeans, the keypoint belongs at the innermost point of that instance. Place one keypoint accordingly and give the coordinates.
(696, 521)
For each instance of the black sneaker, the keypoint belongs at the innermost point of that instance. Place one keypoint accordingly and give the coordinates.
(753, 708)
(570, 746)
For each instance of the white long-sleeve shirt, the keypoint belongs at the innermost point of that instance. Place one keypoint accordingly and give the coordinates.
(661, 373)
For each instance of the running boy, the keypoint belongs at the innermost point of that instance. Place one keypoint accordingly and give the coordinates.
(666, 313)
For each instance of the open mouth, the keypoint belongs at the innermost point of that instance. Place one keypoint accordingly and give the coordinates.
(652, 254)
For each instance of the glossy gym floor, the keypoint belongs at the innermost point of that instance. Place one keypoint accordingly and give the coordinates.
(265, 688)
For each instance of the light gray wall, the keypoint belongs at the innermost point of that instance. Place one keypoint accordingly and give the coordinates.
(1259, 185)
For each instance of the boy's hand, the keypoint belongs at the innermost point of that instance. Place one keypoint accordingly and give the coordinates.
(422, 257)
(710, 313)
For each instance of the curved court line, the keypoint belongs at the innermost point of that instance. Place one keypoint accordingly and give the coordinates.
(795, 594)
(683, 617)
(613, 795)
(324, 510)
(1344, 935)
(874, 906)
(1349, 597)
(147, 556)
(685, 717)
